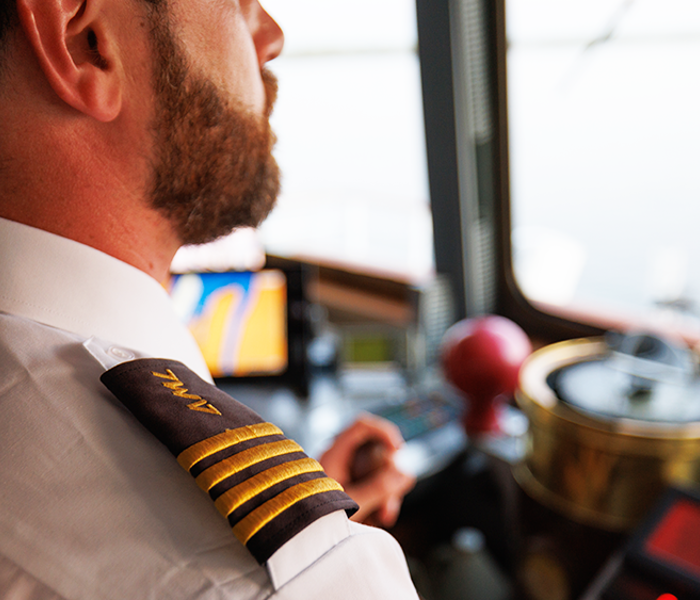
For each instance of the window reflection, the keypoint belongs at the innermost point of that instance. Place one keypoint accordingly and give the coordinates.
(604, 127)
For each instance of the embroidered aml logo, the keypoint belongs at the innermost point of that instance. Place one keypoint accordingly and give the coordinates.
(178, 388)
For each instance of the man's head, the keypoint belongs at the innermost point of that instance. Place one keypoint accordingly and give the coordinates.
(114, 108)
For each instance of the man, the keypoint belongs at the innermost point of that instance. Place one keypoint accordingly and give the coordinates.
(131, 127)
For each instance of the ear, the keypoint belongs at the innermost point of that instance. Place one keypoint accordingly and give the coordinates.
(73, 41)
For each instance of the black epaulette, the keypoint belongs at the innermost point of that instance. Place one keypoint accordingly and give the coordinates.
(262, 482)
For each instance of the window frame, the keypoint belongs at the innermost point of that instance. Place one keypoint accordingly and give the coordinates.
(469, 174)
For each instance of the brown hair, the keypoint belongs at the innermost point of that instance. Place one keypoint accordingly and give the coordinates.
(8, 17)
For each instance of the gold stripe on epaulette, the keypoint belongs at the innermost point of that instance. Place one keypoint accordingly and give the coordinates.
(190, 457)
(247, 458)
(260, 517)
(249, 489)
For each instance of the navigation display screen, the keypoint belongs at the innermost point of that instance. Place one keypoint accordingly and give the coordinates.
(239, 320)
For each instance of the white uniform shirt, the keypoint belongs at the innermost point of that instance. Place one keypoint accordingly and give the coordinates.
(92, 506)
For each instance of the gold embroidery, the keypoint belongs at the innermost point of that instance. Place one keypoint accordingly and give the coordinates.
(202, 406)
(175, 384)
(247, 458)
(179, 390)
(239, 495)
(261, 516)
(190, 457)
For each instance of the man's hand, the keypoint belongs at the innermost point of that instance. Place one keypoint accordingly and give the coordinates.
(380, 492)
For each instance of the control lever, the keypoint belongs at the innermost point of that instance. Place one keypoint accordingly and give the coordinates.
(482, 358)
(369, 458)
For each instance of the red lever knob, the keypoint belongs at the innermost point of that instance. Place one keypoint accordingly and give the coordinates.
(482, 357)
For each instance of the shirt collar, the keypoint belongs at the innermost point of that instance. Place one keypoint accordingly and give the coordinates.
(70, 286)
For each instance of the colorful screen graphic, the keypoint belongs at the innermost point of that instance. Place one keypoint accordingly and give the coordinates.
(238, 319)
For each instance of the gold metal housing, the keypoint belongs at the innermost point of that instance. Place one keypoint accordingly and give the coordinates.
(605, 472)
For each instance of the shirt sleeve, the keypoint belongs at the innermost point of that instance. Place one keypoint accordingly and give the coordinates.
(368, 563)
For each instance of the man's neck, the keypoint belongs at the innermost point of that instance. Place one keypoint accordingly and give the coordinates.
(65, 172)
(128, 237)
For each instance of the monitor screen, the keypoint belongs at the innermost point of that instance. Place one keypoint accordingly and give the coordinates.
(239, 320)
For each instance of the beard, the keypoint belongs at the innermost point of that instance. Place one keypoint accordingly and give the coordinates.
(213, 169)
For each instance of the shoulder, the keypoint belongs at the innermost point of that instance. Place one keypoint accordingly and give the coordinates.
(362, 562)
(31, 346)
(88, 495)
